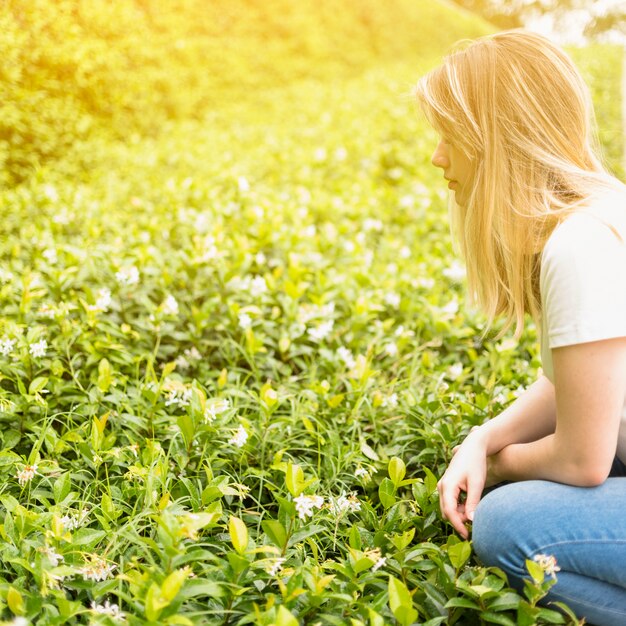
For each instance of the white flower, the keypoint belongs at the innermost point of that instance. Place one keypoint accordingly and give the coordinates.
(192, 354)
(371, 224)
(405, 252)
(103, 301)
(258, 286)
(391, 349)
(260, 258)
(45, 310)
(25, 475)
(392, 299)
(361, 472)
(425, 283)
(519, 391)
(345, 504)
(215, 408)
(75, 520)
(50, 254)
(239, 438)
(179, 396)
(547, 562)
(128, 276)
(54, 557)
(97, 568)
(321, 331)
(346, 356)
(6, 346)
(382, 561)
(243, 184)
(170, 306)
(451, 308)
(454, 371)
(182, 363)
(5, 276)
(245, 321)
(275, 566)
(391, 401)
(18, 621)
(111, 610)
(456, 272)
(38, 349)
(306, 504)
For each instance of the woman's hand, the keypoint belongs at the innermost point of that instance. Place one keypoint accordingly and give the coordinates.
(467, 474)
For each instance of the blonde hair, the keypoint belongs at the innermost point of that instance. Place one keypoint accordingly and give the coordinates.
(516, 105)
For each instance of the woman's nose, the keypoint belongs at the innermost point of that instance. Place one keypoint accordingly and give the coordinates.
(440, 156)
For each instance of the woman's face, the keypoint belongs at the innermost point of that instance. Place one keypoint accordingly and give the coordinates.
(457, 169)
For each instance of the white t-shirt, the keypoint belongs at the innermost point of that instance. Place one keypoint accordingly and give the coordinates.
(583, 282)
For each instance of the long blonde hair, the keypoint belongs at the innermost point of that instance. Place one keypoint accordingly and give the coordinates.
(516, 105)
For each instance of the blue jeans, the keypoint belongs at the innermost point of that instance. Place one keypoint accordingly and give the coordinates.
(583, 527)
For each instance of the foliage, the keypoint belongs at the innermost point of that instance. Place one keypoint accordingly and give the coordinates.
(234, 357)
(76, 69)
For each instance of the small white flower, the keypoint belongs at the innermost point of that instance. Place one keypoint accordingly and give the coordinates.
(50, 254)
(425, 283)
(306, 504)
(451, 308)
(258, 286)
(454, 371)
(361, 472)
(275, 567)
(371, 224)
(245, 321)
(75, 520)
(170, 306)
(25, 475)
(547, 562)
(345, 504)
(392, 299)
(45, 310)
(6, 346)
(321, 331)
(391, 349)
(239, 438)
(192, 354)
(97, 569)
(456, 272)
(53, 557)
(243, 184)
(38, 349)
(5, 276)
(111, 610)
(18, 621)
(128, 276)
(390, 401)
(382, 561)
(215, 408)
(405, 252)
(260, 258)
(346, 356)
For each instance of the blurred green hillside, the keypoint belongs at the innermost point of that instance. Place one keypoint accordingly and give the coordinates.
(76, 69)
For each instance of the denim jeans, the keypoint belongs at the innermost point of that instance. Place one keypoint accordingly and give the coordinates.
(583, 527)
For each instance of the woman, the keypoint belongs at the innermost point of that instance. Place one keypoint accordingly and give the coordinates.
(541, 225)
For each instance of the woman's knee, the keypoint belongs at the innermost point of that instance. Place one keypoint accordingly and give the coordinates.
(500, 533)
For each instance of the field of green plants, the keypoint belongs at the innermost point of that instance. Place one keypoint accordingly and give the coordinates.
(234, 359)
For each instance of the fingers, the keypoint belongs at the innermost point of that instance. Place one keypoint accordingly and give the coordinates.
(474, 493)
(451, 508)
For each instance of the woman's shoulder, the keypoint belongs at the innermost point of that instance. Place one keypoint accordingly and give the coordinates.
(599, 223)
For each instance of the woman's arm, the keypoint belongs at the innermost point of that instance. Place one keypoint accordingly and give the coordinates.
(590, 384)
(530, 417)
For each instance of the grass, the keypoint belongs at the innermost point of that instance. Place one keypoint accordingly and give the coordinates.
(235, 357)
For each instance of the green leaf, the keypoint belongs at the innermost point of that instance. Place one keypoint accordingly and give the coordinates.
(284, 617)
(37, 385)
(276, 532)
(187, 428)
(172, 584)
(15, 601)
(387, 493)
(400, 602)
(459, 553)
(238, 534)
(397, 470)
(104, 375)
(87, 536)
(61, 487)
(294, 479)
(354, 538)
(497, 618)
(155, 603)
(535, 570)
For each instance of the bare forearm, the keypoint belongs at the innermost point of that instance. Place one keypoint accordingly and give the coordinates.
(545, 459)
(531, 417)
